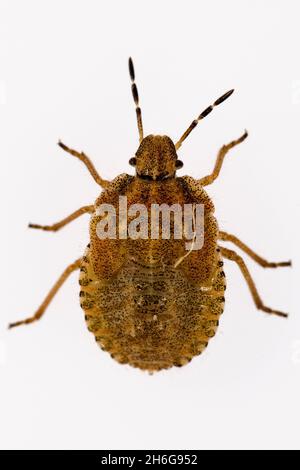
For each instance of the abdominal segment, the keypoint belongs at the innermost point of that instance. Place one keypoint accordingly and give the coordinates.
(149, 315)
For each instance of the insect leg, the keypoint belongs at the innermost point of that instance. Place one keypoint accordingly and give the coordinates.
(221, 155)
(41, 310)
(65, 221)
(85, 159)
(261, 261)
(233, 256)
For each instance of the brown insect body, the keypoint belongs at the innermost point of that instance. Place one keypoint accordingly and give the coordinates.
(149, 302)
(140, 307)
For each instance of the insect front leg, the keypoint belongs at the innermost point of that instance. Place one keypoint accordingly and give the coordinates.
(233, 256)
(65, 221)
(41, 310)
(85, 159)
(261, 261)
(221, 155)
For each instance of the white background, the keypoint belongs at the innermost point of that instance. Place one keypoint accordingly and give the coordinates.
(63, 74)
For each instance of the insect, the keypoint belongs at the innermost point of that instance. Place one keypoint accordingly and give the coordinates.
(148, 302)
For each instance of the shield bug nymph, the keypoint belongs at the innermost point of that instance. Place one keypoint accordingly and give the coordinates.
(149, 302)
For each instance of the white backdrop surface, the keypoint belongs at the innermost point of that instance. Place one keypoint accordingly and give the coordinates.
(63, 74)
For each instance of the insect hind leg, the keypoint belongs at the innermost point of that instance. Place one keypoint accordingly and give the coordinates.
(42, 308)
(233, 256)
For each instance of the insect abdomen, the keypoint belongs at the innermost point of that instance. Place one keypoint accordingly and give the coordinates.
(150, 316)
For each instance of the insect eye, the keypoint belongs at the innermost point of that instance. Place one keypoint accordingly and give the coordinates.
(132, 161)
(178, 164)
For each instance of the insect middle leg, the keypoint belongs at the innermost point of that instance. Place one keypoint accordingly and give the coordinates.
(233, 256)
(221, 155)
(85, 159)
(57, 226)
(41, 310)
(261, 261)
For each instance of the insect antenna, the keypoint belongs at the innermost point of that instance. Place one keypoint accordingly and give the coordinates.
(202, 116)
(136, 99)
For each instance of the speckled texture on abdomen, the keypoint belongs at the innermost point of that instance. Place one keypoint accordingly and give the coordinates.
(151, 316)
